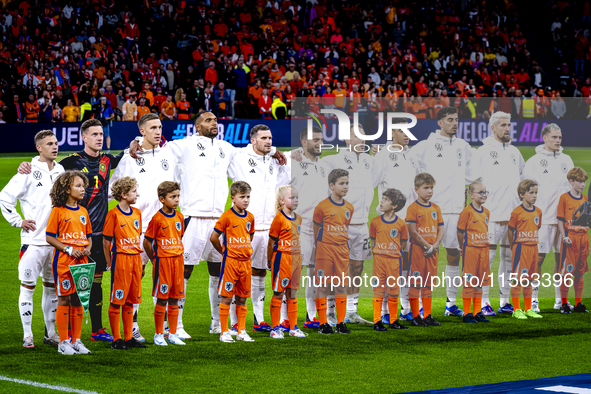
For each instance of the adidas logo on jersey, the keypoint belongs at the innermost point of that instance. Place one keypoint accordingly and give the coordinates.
(350, 168)
(440, 155)
(39, 184)
(253, 171)
(202, 155)
(142, 170)
(495, 163)
(396, 165)
(545, 172)
(305, 173)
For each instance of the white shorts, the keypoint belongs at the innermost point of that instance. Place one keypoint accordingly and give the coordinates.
(359, 242)
(450, 231)
(260, 242)
(549, 237)
(196, 241)
(35, 261)
(498, 234)
(307, 245)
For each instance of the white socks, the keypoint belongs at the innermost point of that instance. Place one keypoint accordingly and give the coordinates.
(136, 307)
(452, 272)
(310, 293)
(352, 302)
(49, 307)
(330, 305)
(233, 317)
(258, 297)
(505, 268)
(385, 306)
(182, 307)
(25, 308)
(557, 297)
(404, 303)
(214, 299)
(284, 316)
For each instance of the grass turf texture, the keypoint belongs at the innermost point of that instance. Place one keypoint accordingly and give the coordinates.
(452, 355)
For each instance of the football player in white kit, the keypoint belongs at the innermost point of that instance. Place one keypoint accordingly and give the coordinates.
(362, 182)
(396, 169)
(256, 166)
(153, 166)
(499, 166)
(548, 167)
(448, 159)
(32, 190)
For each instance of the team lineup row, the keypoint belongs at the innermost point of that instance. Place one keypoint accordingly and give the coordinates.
(202, 162)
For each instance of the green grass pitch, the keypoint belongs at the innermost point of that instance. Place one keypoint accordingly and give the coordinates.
(452, 355)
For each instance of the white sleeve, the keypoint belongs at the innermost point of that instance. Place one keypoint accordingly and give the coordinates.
(529, 169)
(176, 148)
(284, 174)
(9, 196)
(417, 153)
(119, 172)
(376, 174)
(521, 165)
(473, 173)
(233, 172)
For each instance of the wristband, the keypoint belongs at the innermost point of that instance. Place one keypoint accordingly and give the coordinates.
(69, 250)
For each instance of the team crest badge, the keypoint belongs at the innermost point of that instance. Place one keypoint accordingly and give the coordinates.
(66, 284)
(393, 156)
(375, 281)
(222, 154)
(284, 282)
(544, 163)
(178, 226)
(271, 169)
(136, 224)
(486, 221)
(83, 284)
(164, 288)
(102, 167)
(252, 163)
(570, 268)
(186, 256)
(320, 273)
(494, 154)
(468, 277)
(37, 175)
(416, 274)
(542, 245)
(564, 168)
(83, 219)
(164, 165)
(459, 153)
(228, 286)
(322, 171)
(28, 273)
(537, 220)
(393, 232)
(348, 214)
(524, 271)
(438, 147)
(200, 146)
(119, 294)
(299, 228)
(412, 163)
(248, 226)
(434, 215)
(513, 159)
(366, 164)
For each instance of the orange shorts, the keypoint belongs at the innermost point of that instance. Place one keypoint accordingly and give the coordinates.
(573, 258)
(387, 269)
(287, 271)
(234, 278)
(64, 283)
(422, 269)
(331, 260)
(525, 260)
(168, 277)
(475, 264)
(126, 279)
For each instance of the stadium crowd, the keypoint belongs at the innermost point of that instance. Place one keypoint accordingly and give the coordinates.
(72, 60)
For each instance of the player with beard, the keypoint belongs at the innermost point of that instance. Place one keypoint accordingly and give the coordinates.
(499, 166)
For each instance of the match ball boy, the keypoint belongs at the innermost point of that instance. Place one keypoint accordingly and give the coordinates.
(473, 236)
(163, 240)
(236, 226)
(121, 243)
(575, 241)
(332, 217)
(425, 225)
(524, 226)
(388, 235)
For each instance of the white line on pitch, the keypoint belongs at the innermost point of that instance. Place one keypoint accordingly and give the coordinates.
(46, 386)
(565, 389)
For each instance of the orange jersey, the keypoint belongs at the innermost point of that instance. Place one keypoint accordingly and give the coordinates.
(526, 224)
(236, 230)
(285, 232)
(124, 230)
(334, 220)
(388, 236)
(165, 232)
(474, 225)
(428, 218)
(567, 205)
(70, 226)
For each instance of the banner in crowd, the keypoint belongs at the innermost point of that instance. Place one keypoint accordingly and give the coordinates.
(19, 137)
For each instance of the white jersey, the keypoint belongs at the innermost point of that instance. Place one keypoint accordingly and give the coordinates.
(362, 180)
(32, 190)
(260, 172)
(549, 170)
(448, 160)
(306, 179)
(499, 167)
(204, 166)
(395, 170)
(150, 169)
